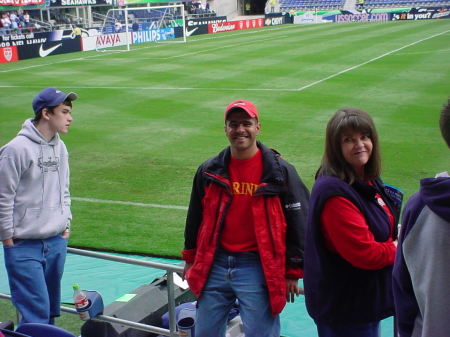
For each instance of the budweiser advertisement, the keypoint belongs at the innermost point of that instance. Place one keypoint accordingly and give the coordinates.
(219, 27)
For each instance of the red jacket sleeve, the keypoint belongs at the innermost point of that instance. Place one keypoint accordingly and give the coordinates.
(347, 233)
(188, 255)
(294, 273)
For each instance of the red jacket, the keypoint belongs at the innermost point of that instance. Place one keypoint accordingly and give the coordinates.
(280, 205)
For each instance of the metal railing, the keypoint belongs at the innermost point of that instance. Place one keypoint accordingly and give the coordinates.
(43, 24)
(139, 326)
(98, 16)
(77, 20)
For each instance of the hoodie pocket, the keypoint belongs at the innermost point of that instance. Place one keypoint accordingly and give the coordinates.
(38, 222)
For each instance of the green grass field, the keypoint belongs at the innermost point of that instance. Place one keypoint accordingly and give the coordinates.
(146, 119)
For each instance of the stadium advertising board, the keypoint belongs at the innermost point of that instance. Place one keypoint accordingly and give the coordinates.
(65, 3)
(8, 54)
(130, 2)
(235, 25)
(423, 14)
(35, 38)
(200, 26)
(205, 21)
(153, 35)
(49, 48)
(104, 41)
(274, 20)
(21, 3)
(308, 18)
(363, 17)
(195, 30)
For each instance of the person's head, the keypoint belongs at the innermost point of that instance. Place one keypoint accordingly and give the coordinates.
(351, 147)
(54, 107)
(241, 128)
(444, 122)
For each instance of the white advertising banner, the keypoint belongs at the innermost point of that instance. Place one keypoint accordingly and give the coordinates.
(105, 41)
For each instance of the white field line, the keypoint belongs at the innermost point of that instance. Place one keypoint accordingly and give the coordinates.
(138, 204)
(155, 88)
(369, 61)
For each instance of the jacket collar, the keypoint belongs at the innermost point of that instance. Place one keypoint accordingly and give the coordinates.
(272, 171)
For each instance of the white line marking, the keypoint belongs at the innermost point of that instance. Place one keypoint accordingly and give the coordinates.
(139, 204)
(156, 88)
(369, 61)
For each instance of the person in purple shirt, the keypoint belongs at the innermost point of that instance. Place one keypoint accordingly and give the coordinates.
(421, 275)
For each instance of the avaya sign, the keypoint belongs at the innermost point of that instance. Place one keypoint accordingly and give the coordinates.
(219, 27)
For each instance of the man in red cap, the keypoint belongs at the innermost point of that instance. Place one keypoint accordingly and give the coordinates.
(244, 231)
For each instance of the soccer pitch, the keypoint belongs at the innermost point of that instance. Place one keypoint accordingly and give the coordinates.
(146, 119)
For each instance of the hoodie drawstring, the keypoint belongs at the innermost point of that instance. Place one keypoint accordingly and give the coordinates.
(59, 182)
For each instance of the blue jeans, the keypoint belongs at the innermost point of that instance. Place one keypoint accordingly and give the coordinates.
(236, 276)
(350, 330)
(35, 269)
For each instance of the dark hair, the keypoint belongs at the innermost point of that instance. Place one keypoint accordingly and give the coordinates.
(50, 109)
(444, 122)
(333, 161)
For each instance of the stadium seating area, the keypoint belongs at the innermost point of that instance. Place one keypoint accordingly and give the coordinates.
(287, 5)
(403, 3)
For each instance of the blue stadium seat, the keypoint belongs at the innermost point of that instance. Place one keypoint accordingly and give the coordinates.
(43, 330)
(393, 3)
(311, 4)
(9, 333)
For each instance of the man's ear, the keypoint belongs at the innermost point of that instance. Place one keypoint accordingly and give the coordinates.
(45, 113)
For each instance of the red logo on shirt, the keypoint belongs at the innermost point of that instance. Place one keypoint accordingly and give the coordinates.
(240, 188)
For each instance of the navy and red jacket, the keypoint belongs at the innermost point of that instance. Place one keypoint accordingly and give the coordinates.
(279, 208)
(335, 291)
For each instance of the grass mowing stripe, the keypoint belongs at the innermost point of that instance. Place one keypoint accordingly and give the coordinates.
(263, 89)
(139, 204)
(370, 61)
(148, 46)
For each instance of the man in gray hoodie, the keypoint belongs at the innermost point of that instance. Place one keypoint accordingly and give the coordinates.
(35, 207)
(422, 265)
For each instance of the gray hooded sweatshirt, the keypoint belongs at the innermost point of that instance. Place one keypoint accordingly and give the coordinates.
(34, 186)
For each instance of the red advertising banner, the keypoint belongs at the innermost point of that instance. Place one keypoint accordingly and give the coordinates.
(21, 2)
(220, 27)
(8, 54)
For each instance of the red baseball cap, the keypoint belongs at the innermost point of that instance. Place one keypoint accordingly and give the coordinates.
(244, 105)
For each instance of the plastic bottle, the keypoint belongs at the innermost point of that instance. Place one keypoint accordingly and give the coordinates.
(81, 302)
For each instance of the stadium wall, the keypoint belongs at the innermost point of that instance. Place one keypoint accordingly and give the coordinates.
(227, 8)
(421, 13)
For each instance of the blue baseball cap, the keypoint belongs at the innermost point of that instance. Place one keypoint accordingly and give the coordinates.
(51, 97)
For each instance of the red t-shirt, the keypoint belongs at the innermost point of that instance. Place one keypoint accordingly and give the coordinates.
(347, 233)
(238, 234)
